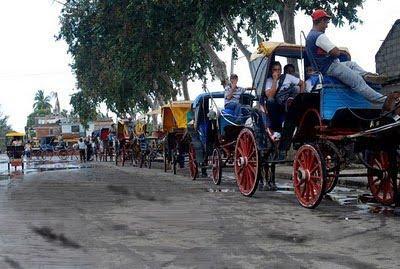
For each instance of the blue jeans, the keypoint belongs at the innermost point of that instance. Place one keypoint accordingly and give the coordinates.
(276, 115)
(235, 107)
(350, 73)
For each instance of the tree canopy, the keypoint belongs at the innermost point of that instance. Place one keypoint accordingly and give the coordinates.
(135, 54)
(41, 102)
(4, 128)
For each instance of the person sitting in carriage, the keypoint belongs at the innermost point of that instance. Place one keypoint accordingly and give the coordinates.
(280, 90)
(326, 58)
(232, 96)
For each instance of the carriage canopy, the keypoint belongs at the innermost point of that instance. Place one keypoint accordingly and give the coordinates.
(174, 115)
(15, 134)
(267, 52)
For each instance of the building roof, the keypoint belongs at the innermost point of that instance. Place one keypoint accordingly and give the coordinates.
(388, 56)
(389, 35)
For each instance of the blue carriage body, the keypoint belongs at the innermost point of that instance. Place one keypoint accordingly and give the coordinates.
(336, 97)
(206, 132)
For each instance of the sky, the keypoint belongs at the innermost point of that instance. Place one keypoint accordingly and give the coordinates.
(32, 59)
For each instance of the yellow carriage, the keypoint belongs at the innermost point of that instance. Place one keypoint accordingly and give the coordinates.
(174, 126)
(15, 149)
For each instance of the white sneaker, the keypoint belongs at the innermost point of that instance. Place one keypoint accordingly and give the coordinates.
(276, 136)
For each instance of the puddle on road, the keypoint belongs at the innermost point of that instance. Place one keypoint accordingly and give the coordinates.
(344, 196)
(220, 190)
(10, 179)
(42, 167)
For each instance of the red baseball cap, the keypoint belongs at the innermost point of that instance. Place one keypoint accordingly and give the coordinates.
(319, 14)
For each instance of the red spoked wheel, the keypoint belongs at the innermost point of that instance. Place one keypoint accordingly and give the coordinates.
(193, 165)
(309, 176)
(381, 183)
(332, 163)
(216, 167)
(246, 162)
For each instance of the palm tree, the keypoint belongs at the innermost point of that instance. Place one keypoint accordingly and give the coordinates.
(42, 102)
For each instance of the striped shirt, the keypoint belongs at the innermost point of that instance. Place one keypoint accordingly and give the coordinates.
(236, 94)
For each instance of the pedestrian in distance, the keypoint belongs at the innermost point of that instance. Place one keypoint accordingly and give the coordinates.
(82, 150)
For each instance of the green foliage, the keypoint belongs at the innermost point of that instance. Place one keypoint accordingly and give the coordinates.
(41, 108)
(84, 108)
(342, 10)
(41, 102)
(4, 128)
(129, 53)
(36, 113)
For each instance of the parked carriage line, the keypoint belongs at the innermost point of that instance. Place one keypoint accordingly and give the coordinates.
(328, 128)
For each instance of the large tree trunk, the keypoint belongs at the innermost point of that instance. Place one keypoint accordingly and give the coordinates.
(238, 41)
(170, 86)
(286, 19)
(185, 88)
(219, 66)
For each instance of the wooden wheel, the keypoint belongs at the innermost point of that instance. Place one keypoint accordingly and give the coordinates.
(216, 167)
(306, 130)
(63, 154)
(142, 160)
(309, 176)
(246, 162)
(123, 155)
(380, 182)
(332, 164)
(174, 162)
(166, 163)
(193, 165)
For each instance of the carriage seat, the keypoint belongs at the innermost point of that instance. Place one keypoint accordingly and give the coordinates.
(329, 80)
(228, 118)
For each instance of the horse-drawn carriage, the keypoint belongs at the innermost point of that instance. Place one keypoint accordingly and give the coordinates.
(175, 144)
(107, 144)
(127, 146)
(213, 135)
(329, 128)
(51, 146)
(15, 150)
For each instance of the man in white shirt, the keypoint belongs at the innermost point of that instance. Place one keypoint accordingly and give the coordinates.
(279, 90)
(326, 57)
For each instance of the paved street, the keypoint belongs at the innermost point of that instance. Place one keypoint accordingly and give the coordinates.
(113, 217)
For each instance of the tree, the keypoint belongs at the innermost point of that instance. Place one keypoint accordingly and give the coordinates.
(4, 128)
(132, 53)
(64, 113)
(30, 122)
(341, 11)
(41, 102)
(84, 108)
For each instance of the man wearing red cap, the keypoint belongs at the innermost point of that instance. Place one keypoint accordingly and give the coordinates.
(326, 57)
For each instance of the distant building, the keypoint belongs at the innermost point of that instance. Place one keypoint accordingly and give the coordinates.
(47, 126)
(67, 128)
(71, 127)
(388, 58)
(99, 124)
